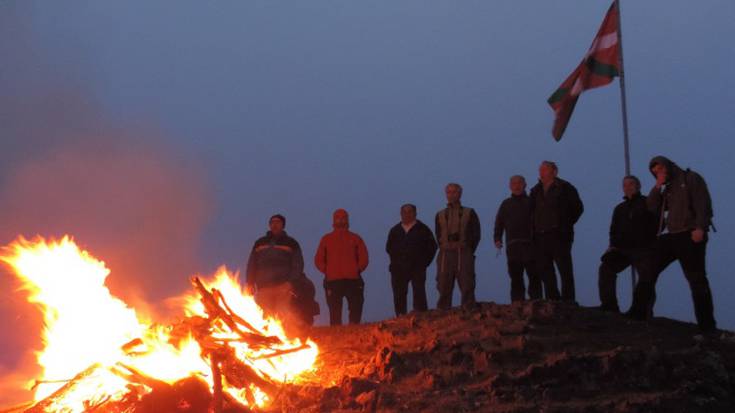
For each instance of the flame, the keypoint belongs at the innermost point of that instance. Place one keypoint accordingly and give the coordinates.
(86, 329)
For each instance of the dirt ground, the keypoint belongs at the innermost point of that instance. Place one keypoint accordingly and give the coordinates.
(525, 357)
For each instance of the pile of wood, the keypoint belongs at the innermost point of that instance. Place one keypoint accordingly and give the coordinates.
(148, 394)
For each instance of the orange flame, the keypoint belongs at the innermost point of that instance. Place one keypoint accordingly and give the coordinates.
(84, 325)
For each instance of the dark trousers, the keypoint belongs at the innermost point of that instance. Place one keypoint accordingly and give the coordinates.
(456, 265)
(556, 248)
(522, 257)
(336, 291)
(691, 257)
(517, 284)
(399, 281)
(612, 263)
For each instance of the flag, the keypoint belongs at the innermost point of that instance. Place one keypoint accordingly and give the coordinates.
(598, 68)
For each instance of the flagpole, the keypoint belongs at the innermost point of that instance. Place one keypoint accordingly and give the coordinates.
(623, 103)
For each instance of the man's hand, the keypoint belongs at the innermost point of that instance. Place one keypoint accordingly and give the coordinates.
(498, 244)
(698, 235)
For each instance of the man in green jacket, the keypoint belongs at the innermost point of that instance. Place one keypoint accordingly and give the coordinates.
(458, 233)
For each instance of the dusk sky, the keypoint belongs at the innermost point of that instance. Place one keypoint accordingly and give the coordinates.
(162, 135)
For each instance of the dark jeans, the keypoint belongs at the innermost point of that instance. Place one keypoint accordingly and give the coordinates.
(612, 263)
(455, 265)
(556, 248)
(336, 291)
(400, 280)
(517, 284)
(691, 257)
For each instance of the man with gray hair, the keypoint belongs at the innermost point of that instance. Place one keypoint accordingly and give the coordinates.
(515, 220)
(458, 233)
(556, 209)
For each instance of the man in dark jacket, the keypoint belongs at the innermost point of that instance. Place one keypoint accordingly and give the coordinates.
(632, 234)
(515, 219)
(275, 261)
(557, 208)
(458, 233)
(411, 247)
(683, 206)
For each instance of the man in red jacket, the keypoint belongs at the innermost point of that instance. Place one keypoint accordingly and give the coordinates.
(342, 257)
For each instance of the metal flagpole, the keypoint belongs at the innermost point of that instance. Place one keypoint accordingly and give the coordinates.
(626, 142)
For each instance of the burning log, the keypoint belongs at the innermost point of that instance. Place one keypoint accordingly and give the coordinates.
(217, 309)
(278, 353)
(135, 376)
(217, 401)
(226, 367)
(66, 389)
(240, 375)
(229, 361)
(17, 409)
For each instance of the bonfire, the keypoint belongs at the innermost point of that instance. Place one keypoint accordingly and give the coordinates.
(101, 355)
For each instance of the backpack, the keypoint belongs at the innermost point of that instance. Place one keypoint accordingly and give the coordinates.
(708, 205)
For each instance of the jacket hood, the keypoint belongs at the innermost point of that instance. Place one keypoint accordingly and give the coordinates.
(671, 167)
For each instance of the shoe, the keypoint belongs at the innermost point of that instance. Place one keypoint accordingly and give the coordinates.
(711, 336)
(634, 315)
(608, 309)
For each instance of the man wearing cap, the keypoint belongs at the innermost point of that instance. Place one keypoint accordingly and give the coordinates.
(275, 261)
(342, 256)
(458, 233)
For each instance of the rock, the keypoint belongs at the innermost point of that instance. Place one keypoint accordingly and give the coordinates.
(367, 398)
(353, 386)
(481, 361)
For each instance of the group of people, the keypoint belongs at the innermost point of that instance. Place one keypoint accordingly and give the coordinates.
(537, 230)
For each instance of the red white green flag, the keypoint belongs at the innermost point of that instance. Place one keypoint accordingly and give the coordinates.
(598, 68)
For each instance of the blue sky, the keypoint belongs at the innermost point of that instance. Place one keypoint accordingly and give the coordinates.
(217, 115)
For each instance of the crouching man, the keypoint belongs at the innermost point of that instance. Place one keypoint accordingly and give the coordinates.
(632, 234)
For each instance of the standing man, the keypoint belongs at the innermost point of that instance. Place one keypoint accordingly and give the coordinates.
(342, 257)
(515, 219)
(557, 208)
(275, 261)
(683, 206)
(411, 247)
(458, 232)
(632, 234)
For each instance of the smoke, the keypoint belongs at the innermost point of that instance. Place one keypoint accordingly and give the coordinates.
(124, 194)
(137, 208)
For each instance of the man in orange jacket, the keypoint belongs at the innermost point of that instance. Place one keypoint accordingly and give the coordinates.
(342, 257)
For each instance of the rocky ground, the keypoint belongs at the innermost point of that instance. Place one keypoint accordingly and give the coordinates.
(526, 357)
